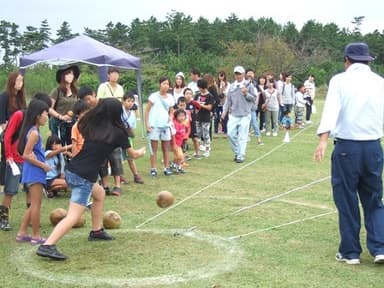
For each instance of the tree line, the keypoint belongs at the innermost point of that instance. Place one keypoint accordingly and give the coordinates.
(179, 43)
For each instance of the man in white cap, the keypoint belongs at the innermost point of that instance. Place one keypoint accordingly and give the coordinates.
(238, 104)
(354, 115)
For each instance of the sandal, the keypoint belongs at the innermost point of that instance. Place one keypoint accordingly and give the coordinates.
(23, 238)
(36, 241)
(137, 179)
(116, 191)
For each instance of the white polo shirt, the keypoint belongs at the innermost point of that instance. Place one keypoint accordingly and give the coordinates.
(354, 106)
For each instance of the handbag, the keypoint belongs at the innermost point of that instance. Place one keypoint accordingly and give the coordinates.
(264, 107)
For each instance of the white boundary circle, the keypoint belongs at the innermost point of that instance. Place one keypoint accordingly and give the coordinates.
(24, 258)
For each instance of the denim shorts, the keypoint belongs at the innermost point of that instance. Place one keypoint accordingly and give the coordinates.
(11, 185)
(81, 188)
(163, 134)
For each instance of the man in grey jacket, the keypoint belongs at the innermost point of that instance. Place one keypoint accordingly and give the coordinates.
(238, 104)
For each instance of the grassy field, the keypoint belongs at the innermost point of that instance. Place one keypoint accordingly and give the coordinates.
(269, 222)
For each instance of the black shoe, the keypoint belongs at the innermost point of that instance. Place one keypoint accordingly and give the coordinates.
(239, 160)
(5, 226)
(167, 172)
(50, 251)
(107, 191)
(99, 235)
(153, 172)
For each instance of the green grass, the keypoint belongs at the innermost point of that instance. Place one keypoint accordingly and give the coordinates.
(281, 247)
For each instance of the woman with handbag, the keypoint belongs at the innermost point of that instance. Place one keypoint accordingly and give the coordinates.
(63, 98)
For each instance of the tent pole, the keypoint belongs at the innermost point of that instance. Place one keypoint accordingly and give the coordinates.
(141, 104)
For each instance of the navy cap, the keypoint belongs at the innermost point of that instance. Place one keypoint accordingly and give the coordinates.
(358, 52)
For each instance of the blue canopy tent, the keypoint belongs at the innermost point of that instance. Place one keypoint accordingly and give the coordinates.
(84, 49)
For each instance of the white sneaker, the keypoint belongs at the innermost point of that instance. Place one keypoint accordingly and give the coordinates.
(206, 154)
(308, 122)
(355, 261)
(202, 147)
(379, 259)
(274, 134)
(268, 134)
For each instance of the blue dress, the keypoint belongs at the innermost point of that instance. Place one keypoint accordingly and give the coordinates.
(31, 173)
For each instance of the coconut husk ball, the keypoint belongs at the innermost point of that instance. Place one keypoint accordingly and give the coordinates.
(111, 220)
(165, 199)
(57, 215)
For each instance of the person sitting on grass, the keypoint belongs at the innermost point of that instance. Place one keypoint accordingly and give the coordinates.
(54, 157)
(103, 131)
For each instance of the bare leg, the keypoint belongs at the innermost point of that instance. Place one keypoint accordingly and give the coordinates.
(132, 167)
(74, 213)
(98, 195)
(165, 149)
(153, 157)
(7, 200)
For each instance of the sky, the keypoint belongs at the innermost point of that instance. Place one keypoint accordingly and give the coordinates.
(95, 14)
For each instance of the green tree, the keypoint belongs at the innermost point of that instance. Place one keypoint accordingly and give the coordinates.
(116, 35)
(31, 40)
(35, 39)
(45, 34)
(9, 43)
(357, 22)
(178, 32)
(64, 33)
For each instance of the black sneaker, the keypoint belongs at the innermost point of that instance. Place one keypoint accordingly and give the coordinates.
(168, 172)
(99, 235)
(5, 226)
(107, 191)
(50, 251)
(153, 172)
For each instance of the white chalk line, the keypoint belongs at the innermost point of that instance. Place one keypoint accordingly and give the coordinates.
(215, 182)
(306, 204)
(26, 262)
(298, 203)
(281, 225)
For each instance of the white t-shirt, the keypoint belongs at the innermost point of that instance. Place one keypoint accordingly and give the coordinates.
(159, 114)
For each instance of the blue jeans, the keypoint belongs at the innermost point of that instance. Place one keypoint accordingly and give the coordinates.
(357, 168)
(238, 128)
(254, 123)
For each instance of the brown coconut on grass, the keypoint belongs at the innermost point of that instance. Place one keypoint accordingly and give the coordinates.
(57, 215)
(111, 220)
(165, 199)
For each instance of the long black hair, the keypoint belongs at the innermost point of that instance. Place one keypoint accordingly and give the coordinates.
(53, 139)
(100, 123)
(34, 110)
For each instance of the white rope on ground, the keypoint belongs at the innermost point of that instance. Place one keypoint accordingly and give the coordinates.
(216, 182)
(269, 199)
(280, 195)
(281, 225)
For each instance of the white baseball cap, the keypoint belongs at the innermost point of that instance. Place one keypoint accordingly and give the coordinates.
(239, 69)
(181, 74)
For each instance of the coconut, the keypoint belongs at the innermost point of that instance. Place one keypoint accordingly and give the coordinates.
(165, 199)
(57, 215)
(111, 220)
